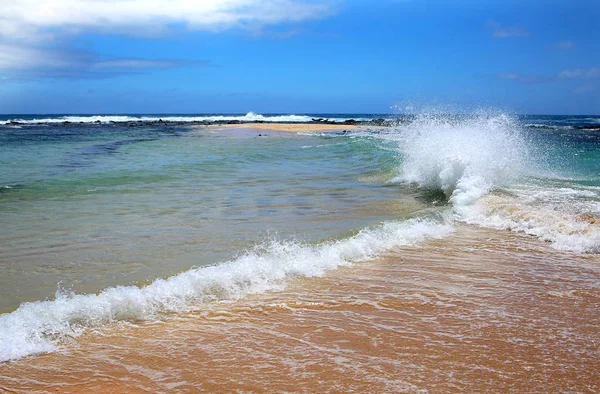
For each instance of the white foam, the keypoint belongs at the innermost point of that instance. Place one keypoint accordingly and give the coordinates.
(469, 157)
(566, 218)
(464, 158)
(37, 327)
(249, 117)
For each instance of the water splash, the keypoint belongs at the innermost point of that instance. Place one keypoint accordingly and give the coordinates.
(493, 175)
(464, 156)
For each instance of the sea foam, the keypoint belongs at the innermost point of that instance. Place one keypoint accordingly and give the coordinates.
(481, 162)
(37, 327)
(249, 117)
(569, 219)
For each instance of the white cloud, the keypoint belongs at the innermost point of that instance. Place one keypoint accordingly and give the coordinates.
(34, 20)
(133, 64)
(509, 76)
(585, 79)
(33, 31)
(499, 31)
(572, 74)
(580, 73)
(585, 88)
(523, 78)
(23, 63)
(15, 57)
(563, 44)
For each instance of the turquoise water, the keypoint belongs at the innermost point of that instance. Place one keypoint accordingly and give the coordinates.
(88, 207)
(95, 208)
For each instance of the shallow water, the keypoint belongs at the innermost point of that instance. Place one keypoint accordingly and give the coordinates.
(89, 217)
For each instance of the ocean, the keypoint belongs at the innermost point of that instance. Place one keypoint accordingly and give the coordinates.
(438, 253)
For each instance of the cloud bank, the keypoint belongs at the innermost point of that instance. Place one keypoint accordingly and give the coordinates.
(34, 20)
(33, 31)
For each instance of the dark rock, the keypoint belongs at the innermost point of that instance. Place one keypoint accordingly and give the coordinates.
(350, 122)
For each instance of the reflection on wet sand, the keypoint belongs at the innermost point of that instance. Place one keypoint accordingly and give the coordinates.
(479, 311)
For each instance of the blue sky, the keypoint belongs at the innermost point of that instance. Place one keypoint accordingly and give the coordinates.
(298, 56)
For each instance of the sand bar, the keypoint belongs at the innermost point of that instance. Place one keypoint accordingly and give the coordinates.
(293, 127)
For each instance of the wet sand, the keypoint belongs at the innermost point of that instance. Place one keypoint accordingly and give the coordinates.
(479, 311)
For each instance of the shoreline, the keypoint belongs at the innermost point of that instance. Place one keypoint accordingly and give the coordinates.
(449, 314)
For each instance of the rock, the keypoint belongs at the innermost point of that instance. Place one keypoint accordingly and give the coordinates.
(350, 122)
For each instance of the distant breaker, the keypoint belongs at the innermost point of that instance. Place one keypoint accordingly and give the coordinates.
(203, 119)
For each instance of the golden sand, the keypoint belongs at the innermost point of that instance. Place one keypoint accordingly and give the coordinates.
(291, 127)
(480, 311)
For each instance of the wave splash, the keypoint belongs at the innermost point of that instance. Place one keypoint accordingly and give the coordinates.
(464, 157)
(494, 176)
(37, 327)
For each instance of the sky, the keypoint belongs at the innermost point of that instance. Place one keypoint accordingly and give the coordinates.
(299, 56)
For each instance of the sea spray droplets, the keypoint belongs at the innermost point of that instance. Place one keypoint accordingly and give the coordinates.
(37, 327)
(464, 156)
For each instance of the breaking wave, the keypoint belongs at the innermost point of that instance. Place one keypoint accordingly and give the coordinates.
(493, 175)
(465, 158)
(37, 327)
(249, 117)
